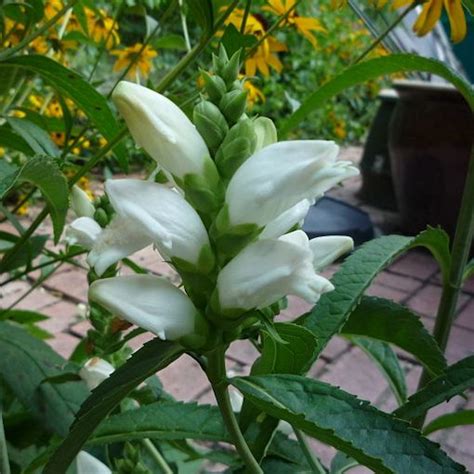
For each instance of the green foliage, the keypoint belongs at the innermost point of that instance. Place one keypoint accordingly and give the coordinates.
(387, 362)
(152, 357)
(391, 322)
(27, 360)
(453, 381)
(450, 420)
(374, 438)
(43, 172)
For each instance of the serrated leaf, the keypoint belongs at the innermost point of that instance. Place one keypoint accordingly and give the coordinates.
(72, 85)
(38, 140)
(372, 69)
(372, 437)
(44, 173)
(163, 420)
(152, 357)
(26, 362)
(391, 322)
(387, 361)
(457, 378)
(293, 357)
(450, 420)
(356, 274)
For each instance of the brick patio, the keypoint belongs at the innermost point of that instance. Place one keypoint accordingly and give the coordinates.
(412, 280)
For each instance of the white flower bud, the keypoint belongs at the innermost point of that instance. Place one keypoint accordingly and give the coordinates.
(152, 303)
(80, 203)
(88, 464)
(162, 129)
(268, 270)
(329, 248)
(279, 176)
(83, 231)
(95, 371)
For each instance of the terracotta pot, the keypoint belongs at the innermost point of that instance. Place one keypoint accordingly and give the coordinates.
(431, 134)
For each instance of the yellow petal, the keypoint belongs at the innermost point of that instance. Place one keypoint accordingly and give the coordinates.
(401, 3)
(428, 18)
(457, 20)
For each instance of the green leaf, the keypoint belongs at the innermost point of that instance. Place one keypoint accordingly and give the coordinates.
(374, 438)
(10, 139)
(293, 357)
(31, 250)
(356, 274)
(38, 140)
(457, 378)
(450, 420)
(170, 41)
(72, 85)
(152, 357)
(43, 172)
(387, 361)
(469, 4)
(372, 69)
(341, 463)
(26, 362)
(163, 420)
(391, 322)
(233, 40)
(202, 12)
(468, 270)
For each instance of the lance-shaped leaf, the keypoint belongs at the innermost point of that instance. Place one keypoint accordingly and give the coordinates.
(356, 274)
(457, 378)
(26, 362)
(450, 420)
(72, 85)
(43, 172)
(163, 420)
(153, 356)
(391, 322)
(374, 438)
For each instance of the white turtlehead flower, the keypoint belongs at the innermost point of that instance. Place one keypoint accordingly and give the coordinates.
(80, 203)
(281, 175)
(328, 249)
(146, 213)
(268, 270)
(162, 129)
(88, 464)
(285, 221)
(95, 371)
(149, 302)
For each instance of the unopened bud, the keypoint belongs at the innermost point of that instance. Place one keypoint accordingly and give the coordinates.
(233, 105)
(211, 124)
(238, 145)
(101, 217)
(214, 86)
(231, 69)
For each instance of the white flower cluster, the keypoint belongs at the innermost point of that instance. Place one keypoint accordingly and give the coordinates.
(228, 231)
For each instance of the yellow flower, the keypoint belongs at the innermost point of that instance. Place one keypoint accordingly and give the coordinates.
(431, 13)
(264, 58)
(58, 138)
(100, 25)
(304, 25)
(337, 4)
(54, 109)
(17, 113)
(51, 8)
(254, 94)
(39, 45)
(143, 59)
(2, 152)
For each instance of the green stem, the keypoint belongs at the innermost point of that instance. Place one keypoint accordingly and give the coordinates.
(217, 376)
(460, 253)
(245, 17)
(313, 461)
(157, 457)
(26, 41)
(381, 37)
(4, 463)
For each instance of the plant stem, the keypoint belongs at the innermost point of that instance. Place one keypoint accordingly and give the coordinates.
(26, 41)
(156, 455)
(217, 376)
(313, 461)
(245, 17)
(459, 255)
(4, 463)
(386, 32)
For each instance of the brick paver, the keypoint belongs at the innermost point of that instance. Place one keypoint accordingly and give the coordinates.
(412, 280)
